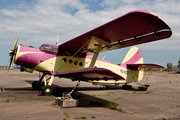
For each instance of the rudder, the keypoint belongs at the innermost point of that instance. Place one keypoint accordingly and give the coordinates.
(133, 56)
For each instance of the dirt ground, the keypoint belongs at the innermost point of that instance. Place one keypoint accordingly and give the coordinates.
(160, 102)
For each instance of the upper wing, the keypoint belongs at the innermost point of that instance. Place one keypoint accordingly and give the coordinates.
(134, 28)
(91, 74)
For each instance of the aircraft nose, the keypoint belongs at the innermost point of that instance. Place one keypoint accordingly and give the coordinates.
(10, 53)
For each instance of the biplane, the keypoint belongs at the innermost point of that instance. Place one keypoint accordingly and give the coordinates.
(77, 59)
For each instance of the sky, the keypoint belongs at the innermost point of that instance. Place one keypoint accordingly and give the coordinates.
(37, 22)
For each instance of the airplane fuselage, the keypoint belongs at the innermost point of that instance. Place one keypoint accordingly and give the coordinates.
(49, 62)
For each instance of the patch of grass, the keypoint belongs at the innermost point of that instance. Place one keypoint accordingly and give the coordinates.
(56, 102)
(119, 108)
(67, 115)
(80, 117)
(135, 112)
(94, 95)
(134, 92)
(111, 105)
(65, 118)
(93, 117)
(170, 82)
(83, 117)
(118, 98)
(148, 92)
(8, 99)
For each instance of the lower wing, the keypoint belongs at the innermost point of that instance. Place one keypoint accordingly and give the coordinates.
(92, 74)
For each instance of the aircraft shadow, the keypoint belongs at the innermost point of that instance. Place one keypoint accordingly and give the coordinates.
(84, 100)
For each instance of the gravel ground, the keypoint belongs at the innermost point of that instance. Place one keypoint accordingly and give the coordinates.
(160, 102)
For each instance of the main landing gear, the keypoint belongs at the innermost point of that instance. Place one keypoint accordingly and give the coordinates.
(45, 88)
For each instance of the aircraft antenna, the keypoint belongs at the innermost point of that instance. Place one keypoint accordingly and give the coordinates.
(103, 57)
(57, 39)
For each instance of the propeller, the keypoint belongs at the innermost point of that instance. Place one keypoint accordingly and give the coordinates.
(12, 52)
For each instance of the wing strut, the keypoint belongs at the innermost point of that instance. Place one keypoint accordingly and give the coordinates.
(99, 45)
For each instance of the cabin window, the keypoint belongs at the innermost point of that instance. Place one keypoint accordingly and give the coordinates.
(51, 48)
(70, 61)
(75, 62)
(45, 47)
(80, 64)
(64, 59)
(41, 47)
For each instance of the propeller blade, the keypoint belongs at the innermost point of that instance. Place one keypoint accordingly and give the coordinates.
(10, 62)
(12, 53)
(15, 43)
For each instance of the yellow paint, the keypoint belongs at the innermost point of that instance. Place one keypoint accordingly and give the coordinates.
(51, 80)
(130, 54)
(94, 83)
(100, 43)
(56, 64)
(17, 54)
(28, 70)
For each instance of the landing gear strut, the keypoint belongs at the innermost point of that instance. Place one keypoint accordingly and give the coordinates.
(46, 89)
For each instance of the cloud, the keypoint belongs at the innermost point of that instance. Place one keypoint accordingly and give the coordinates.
(40, 21)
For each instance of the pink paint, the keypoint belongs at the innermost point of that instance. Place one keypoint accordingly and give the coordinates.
(137, 56)
(33, 57)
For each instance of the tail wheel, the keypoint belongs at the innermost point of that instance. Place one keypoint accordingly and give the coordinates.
(47, 90)
(35, 85)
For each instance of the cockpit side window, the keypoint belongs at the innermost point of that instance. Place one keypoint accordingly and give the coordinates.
(51, 48)
(41, 47)
(45, 47)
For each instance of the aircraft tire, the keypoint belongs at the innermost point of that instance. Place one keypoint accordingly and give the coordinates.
(35, 86)
(47, 90)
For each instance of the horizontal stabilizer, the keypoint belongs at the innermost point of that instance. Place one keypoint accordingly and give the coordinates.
(147, 65)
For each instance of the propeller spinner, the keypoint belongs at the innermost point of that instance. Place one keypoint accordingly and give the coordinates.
(12, 52)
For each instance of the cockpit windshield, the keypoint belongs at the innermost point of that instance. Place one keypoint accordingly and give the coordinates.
(52, 49)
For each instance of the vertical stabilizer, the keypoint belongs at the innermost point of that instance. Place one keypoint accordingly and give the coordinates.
(133, 56)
